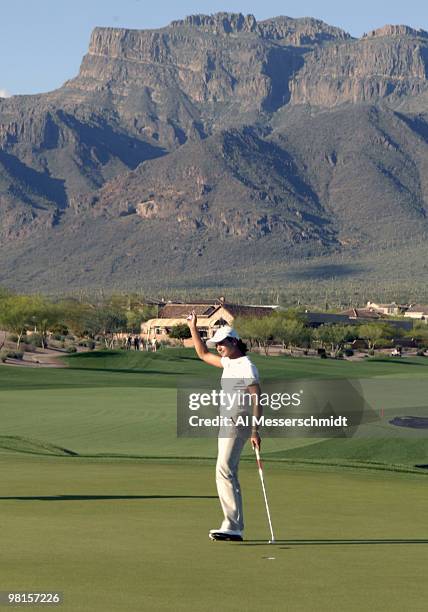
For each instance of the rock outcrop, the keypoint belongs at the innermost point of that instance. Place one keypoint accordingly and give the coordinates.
(397, 31)
(387, 64)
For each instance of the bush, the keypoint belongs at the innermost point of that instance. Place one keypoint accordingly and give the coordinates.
(71, 349)
(11, 355)
(13, 338)
(348, 352)
(180, 332)
(29, 348)
(59, 337)
(90, 344)
(383, 343)
(35, 340)
(59, 331)
(371, 352)
(421, 353)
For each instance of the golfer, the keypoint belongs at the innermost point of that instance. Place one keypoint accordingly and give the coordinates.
(239, 376)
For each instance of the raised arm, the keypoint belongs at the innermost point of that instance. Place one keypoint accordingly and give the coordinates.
(201, 350)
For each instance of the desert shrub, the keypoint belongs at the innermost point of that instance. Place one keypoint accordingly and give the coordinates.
(71, 349)
(12, 338)
(180, 332)
(371, 352)
(90, 344)
(4, 355)
(35, 340)
(14, 354)
(383, 343)
(28, 348)
(59, 337)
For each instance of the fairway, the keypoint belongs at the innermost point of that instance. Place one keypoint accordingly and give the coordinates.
(101, 501)
(126, 535)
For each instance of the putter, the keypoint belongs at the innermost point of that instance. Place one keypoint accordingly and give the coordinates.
(259, 463)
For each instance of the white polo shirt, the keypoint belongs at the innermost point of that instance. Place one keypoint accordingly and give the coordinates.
(237, 375)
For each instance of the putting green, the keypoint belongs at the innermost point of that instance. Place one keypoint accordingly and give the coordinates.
(141, 422)
(126, 535)
(114, 421)
(116, 533)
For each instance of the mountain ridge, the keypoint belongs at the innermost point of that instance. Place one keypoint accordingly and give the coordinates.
(284, 140)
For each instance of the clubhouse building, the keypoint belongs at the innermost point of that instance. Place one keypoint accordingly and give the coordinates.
(211, 315)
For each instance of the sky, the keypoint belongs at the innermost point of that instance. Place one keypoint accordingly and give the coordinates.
(42, 42)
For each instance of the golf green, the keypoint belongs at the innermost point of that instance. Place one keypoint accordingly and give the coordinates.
(101, 501)
(131, 535)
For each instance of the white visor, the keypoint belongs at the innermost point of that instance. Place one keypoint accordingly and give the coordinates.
(221, 334)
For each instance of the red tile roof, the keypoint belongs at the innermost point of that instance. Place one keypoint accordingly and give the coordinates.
(180, 311)
(207, 309)
(362, 313)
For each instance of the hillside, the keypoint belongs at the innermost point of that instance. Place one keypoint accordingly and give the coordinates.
(220, 148)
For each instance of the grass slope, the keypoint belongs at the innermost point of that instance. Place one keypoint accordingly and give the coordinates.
(124, 404)
(396, 454)
(175, 362)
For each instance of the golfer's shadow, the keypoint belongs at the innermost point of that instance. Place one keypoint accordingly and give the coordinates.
(344, 542)
(98, 497)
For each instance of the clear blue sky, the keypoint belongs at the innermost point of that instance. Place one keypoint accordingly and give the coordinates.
(42, 41)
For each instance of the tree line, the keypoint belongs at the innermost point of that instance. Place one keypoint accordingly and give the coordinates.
(289, 328)
(104, 318)
(101, 320)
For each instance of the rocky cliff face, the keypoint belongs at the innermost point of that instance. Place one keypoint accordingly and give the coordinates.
(286, 30)
(210, 59)
(386, 64)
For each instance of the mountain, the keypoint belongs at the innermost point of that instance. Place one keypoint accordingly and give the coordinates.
(220, 150)
(387, 64)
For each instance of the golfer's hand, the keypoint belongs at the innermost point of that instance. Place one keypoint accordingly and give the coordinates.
(192, 320)
(256, 441)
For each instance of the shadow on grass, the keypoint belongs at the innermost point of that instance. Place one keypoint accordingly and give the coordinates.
(346, 542)
(387, 360)
(126, 370)
(98, 497)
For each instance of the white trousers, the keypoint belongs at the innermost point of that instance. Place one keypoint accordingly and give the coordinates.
(228, 488)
